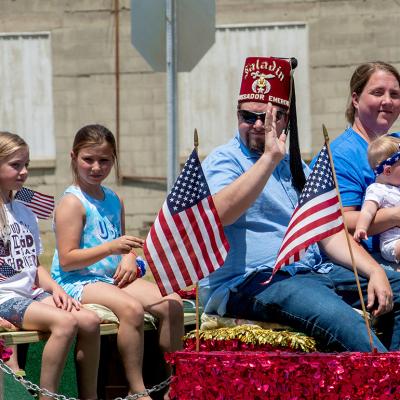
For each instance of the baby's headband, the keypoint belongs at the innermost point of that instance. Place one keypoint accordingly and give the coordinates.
(389, 161)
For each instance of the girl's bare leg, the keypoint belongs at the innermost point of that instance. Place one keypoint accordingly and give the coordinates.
(63, 327)
(168, 310)
(130, 333)
(87, 350)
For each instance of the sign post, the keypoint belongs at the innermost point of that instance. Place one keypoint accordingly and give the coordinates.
(172, 36)
(172, 96)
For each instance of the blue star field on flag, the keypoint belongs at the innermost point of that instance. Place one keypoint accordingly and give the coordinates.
(320, 180)
(6, 271)
(190, 187)
(316, 217)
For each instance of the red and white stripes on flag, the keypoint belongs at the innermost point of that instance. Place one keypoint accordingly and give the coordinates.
(316, 217)
(186, 242)
(42, 205)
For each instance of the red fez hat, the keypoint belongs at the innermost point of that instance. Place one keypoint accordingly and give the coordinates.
(266, 79)
(269, 79)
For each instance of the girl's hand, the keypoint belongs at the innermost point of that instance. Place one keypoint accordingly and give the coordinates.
(125, 244)
(360, 234)
(126, 271)
(7, 325)
(63, 301)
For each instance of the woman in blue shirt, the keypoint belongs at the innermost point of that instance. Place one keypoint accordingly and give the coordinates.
(373, 108)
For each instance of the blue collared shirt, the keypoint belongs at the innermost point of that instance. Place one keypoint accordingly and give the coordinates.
(256, 236)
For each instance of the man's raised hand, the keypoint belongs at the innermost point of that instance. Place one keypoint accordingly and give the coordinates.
(275, 141)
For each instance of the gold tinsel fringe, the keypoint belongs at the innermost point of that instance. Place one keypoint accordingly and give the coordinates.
(258, 336)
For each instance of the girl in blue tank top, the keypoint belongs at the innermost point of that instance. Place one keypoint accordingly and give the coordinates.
(95, 262)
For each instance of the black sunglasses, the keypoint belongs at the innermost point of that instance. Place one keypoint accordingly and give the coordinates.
(251, 117)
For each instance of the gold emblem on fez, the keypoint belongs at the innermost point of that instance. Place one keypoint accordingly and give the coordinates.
(261, 85)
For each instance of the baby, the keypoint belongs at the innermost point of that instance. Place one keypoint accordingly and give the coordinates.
(384, 159)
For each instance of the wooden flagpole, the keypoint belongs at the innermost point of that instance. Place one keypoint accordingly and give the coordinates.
(365, 315)
(196, 145)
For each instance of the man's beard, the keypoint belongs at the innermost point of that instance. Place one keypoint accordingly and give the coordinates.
(255, 143)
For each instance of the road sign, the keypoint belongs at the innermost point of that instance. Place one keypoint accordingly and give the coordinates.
(195, 31)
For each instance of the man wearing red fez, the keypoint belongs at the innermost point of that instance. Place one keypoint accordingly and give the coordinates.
(255, 185)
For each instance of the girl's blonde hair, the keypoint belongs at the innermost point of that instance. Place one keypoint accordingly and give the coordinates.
(382, 148)
(9, 144)
(91, 135)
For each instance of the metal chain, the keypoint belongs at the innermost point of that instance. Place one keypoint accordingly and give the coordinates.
(35, 390)
(155, 388)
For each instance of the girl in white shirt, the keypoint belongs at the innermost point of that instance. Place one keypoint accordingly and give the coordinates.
(29, 297)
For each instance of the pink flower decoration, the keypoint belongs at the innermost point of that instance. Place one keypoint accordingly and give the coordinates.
(5, 352)
(284, 376)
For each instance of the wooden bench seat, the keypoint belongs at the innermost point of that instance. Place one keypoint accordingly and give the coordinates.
(20, 337)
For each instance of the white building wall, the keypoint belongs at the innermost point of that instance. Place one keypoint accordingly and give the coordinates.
(26, 101)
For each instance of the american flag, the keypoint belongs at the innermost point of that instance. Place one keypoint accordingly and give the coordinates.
(6, 271)
(317, 215)
(187, 241)
(41, 204)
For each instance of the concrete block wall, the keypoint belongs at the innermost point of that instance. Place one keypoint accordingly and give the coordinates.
(342, 34)
(83, 57)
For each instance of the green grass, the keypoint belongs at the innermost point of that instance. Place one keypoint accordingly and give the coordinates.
(48, 244)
